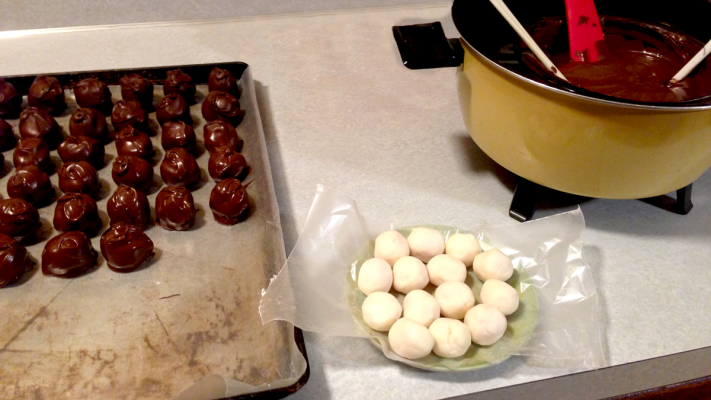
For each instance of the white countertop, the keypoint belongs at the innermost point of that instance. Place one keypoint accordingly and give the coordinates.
(339, 109)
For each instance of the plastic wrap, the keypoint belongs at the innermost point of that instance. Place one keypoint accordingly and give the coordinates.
(315, 288)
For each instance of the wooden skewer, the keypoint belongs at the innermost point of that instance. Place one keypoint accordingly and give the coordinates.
(696, 60)
(506, 13)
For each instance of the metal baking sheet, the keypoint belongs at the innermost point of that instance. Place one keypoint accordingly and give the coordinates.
(188, 316)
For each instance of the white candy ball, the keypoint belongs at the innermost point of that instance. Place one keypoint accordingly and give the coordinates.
(445, 268)
(425, 243)
(455, 299)
(409, 339)
(420, 307)
(486, 324)
(381, 310)
(451, 337)
(409, 274)
(500, 295)
(493, 264)
(375, 275)
(464, 247)
(391, 246)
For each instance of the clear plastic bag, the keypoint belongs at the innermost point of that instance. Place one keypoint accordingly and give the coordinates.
(315, 288)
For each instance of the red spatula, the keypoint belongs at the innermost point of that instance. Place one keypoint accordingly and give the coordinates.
(587, 44)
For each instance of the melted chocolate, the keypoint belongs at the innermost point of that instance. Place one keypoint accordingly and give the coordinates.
(78, 177)
(18, 218)
(173, 108)
(77, 212)
(92, 93)
(130, 206)
(132, 171)
(7, 137)
(82, 148)
(229, 202)
(227, 163)
(219, 133)
(36, 123)
(137, 88)
(68, 254)
(179, 82)
(129, 113)
(178, 134)
(47, 94)
(10, 100)
(179, 168)
(221, 106)
(125, 247)
(223, 81)
(132, 142)
(32, 151)
(14, 260)
(88, 122)
(175, 208)
(29, 184)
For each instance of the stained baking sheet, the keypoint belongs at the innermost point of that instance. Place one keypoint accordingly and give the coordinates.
(185, 322)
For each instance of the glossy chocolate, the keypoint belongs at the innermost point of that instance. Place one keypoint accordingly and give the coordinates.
(68, 254)
(82, 148)
(173, 108)
(10, 100)
(18, 218)
(129, 113)
(88, 122)
(92, 93)
(36, 123)
(219, 133)
(229, 202)
(133, 142)
(227, 163)
(223, 81)
(47, 94)
(221, 106)
(179, 82)
(179, 168)
(77, 212)
(137, 88)
(32, 151)
(30, 184)
(178, 134)
(7, 137)
(78, 177)
(175, 208)
(125, 247)
(14, 260)
(132, 171)
(130, 206)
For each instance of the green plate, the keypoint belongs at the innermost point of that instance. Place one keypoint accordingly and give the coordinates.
(520, 324)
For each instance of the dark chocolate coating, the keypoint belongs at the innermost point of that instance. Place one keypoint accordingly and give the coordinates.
(92, 93)
(82, 148)
(178, 134)
(227, 163)
(7, 137)
(88, 122)
(175, 208)
(229, 202)
(78, 177)
(137, 88)
(223, 81)
(125, 247)
(129, 113)
(77, 212)
(18, 218)
(10, 100)
(32, 151)
(219, 133)
(14, 260)
(173, 108)
(68, 254)
(221, 106)
(132, 171)
(47, 94)
(132, 142)
(29, 184)
(179, 168)
(181, 83)
(130, 206)
(36, 123)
